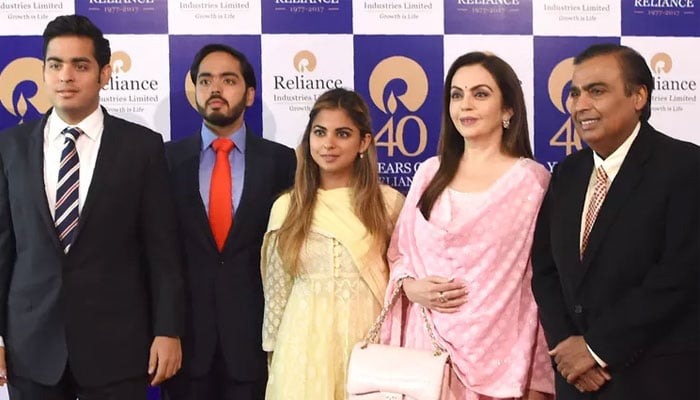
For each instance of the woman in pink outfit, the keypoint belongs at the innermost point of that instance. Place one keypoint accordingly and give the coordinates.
(462, 244)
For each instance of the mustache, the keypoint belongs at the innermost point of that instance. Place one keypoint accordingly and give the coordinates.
(216, 97)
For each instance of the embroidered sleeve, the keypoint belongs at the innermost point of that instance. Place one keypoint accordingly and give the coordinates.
(277, 284)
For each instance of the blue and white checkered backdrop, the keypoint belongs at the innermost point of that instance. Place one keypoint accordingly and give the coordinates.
(394, 52)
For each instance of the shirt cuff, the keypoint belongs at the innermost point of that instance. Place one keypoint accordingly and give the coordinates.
(597, 359)
(2, 342)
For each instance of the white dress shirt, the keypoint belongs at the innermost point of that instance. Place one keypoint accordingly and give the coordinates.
(87, 146)
(611, 165)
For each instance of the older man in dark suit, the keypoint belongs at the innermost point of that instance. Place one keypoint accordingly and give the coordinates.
(91, 293)
(225, 179)
(616, 250)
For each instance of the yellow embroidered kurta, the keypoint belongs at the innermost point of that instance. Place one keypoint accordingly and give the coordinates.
(329, 309)
(313, 320)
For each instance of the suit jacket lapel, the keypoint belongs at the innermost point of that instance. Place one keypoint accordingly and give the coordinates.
(190, 174)
(36, 178)
(105, 162)
(254, 163)
(571, 214)
(627, 179)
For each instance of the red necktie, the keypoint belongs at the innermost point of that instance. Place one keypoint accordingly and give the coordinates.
(600, 190)
(220, 201)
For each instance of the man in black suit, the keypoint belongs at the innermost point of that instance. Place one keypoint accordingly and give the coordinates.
(223, 356)
(616, 250)
(91, 292)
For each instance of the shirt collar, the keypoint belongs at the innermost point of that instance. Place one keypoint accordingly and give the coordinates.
(92, 125)
(238, 138)
(613, 162)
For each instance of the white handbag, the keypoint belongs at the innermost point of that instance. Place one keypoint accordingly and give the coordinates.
(384, 372)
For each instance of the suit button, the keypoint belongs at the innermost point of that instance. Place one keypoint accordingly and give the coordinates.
(221, 263)
(578, 309)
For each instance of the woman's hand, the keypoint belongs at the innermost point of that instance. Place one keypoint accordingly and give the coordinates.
(436, 293)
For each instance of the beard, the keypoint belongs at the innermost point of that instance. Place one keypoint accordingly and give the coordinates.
(220, 119)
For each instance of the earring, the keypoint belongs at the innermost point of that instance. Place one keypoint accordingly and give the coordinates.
(506, 123)
(362, 155)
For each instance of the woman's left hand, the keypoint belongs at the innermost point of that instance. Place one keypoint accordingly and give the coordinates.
(436, 293)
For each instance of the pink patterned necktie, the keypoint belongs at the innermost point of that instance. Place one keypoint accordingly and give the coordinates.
(599, 191)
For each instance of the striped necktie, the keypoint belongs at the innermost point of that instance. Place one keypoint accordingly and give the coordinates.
(67, 194)
(600, 190)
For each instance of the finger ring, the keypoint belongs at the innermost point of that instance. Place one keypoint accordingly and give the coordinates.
(442, 298)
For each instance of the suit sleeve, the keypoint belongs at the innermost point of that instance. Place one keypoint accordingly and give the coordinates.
(160, 244)
(7, 247)
(546, 284)
(290, 164)
(669, 290)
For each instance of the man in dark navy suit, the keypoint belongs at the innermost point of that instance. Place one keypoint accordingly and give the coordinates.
(91, 292)
(226, 179)
(616, 253)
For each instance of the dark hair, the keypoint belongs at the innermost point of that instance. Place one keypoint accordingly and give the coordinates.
(81, 26)
(246, 67)
(635, 70)
(366, 192)
(516, 138)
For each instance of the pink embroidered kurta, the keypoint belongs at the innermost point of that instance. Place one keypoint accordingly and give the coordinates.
(495, 340)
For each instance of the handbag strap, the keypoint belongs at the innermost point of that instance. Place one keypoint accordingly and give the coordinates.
(373, 334)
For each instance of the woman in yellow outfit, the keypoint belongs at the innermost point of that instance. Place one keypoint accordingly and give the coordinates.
(323, 258)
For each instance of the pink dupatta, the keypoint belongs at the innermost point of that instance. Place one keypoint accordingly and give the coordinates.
(495, 341)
